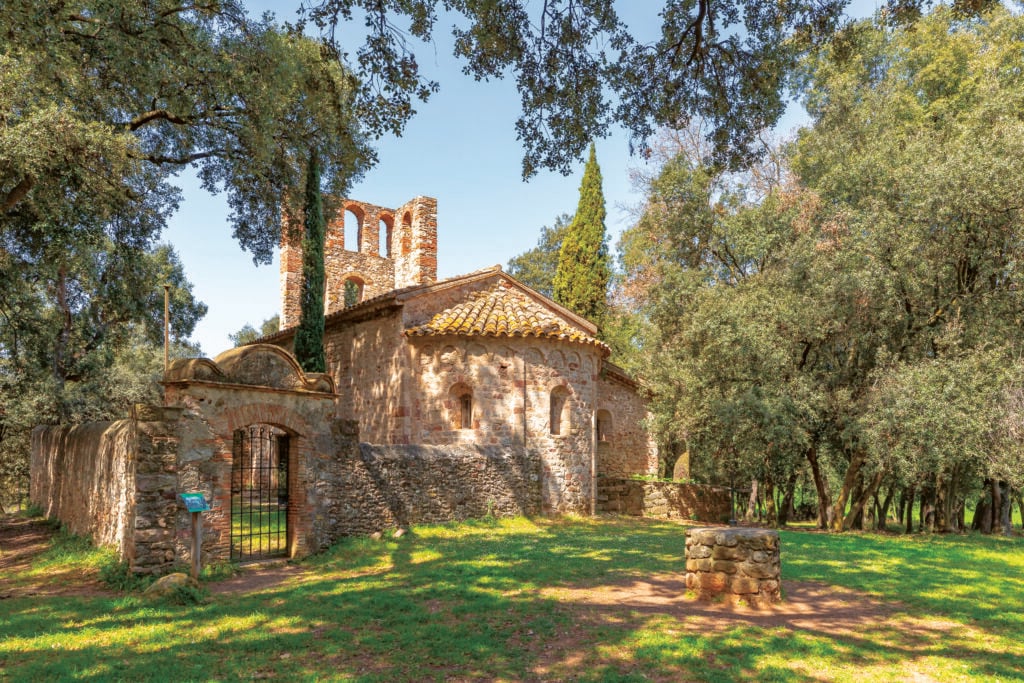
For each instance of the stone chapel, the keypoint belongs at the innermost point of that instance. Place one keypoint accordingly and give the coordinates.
(443, 400)
(478, 359)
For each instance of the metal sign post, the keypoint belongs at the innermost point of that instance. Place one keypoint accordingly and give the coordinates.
(196, 504)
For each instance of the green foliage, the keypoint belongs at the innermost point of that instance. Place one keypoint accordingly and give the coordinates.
(309, 337)
(581, 277)
(580, 70)
(857, 315)
(248, 334)
(117, 576)
(105, 102)
(536, 267)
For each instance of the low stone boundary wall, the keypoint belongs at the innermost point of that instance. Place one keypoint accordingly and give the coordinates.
(739, 564)
(663, 499)
(384, 486)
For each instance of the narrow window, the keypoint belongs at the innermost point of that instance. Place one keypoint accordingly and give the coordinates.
(604, 426)
(460, 406)
(466, 411)
(387, 223)
(353, 293)
(559, 410)
(406, 234)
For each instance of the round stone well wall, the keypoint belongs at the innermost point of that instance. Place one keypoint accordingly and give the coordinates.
(738, 564)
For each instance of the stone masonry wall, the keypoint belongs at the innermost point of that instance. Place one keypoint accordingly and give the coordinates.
(84, 476)
(628, 448)
(408, 255)
(210, 414)
(663, 500)
(511, 381)
(414, 247)
(734, 564)
(382, 487)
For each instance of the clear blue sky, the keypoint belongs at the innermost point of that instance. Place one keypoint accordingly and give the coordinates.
(461, 148)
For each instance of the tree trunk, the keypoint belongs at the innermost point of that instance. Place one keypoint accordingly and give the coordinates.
(909, 514)
(857, 507)
(824, 504)
(851, 478)
(997, 505)
(1005, 510)
(926, 511)
(771, 513)
(983, 512)
(751, 502)
(857, 521)
(949, 500)
(786, 509)
(1020, 506)
(882, 514)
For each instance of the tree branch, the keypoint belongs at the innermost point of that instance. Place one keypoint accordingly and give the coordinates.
(180, 161)
(17, 193)
(155, 115)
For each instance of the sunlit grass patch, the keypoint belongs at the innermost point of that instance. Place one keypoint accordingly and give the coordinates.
(492, 600)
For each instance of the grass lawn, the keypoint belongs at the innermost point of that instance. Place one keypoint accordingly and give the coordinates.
(492, 600)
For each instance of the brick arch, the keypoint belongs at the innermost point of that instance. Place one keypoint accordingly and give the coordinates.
(270, 413)
(405, 234)
(359, 213)
(387, 220)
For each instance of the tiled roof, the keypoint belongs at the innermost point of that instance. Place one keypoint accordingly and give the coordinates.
(502, 310)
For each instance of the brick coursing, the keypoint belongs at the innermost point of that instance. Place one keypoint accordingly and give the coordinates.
(407, 257)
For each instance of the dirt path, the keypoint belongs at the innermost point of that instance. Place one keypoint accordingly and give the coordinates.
(21, 541)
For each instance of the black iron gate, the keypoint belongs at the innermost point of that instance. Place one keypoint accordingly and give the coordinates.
(259, 494)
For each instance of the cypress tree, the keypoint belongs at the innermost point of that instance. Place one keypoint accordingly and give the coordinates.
(309, 338)
(581, 280)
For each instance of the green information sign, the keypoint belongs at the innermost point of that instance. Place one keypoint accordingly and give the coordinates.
(194, 502)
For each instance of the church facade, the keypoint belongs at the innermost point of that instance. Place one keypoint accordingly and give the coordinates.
(478, 359)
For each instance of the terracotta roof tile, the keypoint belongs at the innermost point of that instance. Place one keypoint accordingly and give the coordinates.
(502, 311)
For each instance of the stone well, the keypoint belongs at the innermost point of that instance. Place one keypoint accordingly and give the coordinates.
(737, 563)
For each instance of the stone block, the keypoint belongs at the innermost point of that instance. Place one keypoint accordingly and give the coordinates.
(726, 566)
(713, 582)
(742, 585)
(728, 538)
(724, 552)
(760, 570)
(697, 552)
(703, 565)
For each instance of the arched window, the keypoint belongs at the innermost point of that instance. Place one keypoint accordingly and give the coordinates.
(604, 426)
(460, 406)
(406, 234)
(559, 410)
(353, 291)
(387, 224)
(353, 228)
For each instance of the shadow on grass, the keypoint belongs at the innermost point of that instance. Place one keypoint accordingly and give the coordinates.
(974, 578)
(460, 602)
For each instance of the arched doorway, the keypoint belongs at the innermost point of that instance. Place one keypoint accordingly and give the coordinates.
(259, 493)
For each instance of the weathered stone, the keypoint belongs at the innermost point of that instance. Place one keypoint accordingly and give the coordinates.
(743, 585)
(167, 585)
(760, 556)
(726, 566)
(727, 538)
(698, 551)
(724, 552)
(713, 582)
(703, 565)
(759, 570)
